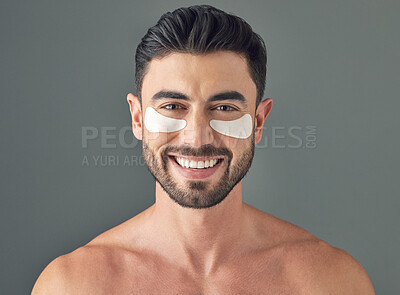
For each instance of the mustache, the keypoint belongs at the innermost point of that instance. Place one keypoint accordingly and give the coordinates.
(207, 150)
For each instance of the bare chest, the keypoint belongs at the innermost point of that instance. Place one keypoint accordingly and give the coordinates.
(217, 285)
(250, 278)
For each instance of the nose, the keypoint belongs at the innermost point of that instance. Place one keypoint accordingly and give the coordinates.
(198, 131)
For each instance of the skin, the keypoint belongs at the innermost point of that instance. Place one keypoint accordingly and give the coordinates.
(230, 248)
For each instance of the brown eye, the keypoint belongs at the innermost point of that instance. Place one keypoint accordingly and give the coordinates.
(172, 106)
(225, 108)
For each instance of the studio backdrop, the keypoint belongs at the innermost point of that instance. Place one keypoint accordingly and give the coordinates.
(71, 168)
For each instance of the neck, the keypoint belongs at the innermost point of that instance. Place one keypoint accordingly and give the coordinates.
(201, 238)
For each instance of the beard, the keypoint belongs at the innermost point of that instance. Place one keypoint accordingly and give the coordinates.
(197, 194)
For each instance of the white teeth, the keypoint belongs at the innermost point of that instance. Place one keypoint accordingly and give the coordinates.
(196, 165)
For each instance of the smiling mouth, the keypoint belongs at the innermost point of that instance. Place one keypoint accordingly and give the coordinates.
(201, 163)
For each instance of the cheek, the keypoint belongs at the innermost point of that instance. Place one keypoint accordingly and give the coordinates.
(160, 129)
(238, 146)
(155, 139)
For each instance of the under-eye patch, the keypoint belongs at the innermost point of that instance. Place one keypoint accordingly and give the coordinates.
(155, 122)
(239, 128)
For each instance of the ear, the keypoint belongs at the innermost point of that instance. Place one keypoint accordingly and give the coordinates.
(136, 114)
(263, 109)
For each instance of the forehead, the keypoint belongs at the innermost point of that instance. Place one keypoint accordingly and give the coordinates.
(199, 76)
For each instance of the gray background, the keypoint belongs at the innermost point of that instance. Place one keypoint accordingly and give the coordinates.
(69, 64)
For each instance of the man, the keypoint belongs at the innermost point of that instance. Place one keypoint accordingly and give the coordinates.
(200, 76)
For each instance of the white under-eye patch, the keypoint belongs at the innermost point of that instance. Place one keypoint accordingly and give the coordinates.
(155, 122)
(239, 128)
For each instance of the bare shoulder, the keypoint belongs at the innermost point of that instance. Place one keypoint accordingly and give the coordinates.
(319, 268)
(91, 269)
(58, 276)
(52, 278)
(311, 263)
(323, 269)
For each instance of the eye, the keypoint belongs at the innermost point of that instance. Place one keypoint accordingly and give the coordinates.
(225, 108)
(172, 106)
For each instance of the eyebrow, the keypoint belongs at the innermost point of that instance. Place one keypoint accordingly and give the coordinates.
(229, 95)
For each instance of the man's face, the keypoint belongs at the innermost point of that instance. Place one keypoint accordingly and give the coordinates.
(197, 89)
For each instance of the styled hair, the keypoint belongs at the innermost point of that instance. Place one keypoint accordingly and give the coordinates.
(202, 29)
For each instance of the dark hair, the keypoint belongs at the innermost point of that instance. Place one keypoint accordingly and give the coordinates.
(202, 29)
